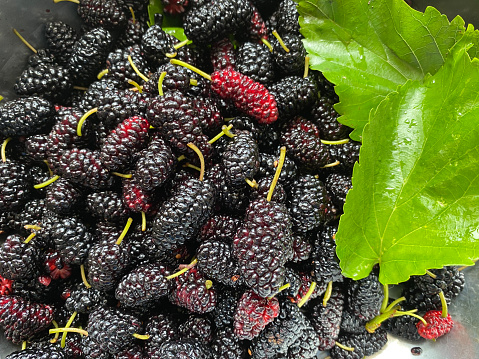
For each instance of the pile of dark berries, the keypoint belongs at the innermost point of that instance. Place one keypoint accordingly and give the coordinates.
(169, 215)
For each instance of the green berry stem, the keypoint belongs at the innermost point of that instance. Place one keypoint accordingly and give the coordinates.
(180, 272)
(193, 82)
(32, 226)
(102, 73)
(57, 335)
(384, 304)
(30, 237)
(444, 304)
(70, 330)
(4, 147)
(141, 336)
(143, 77)
(412, 314)
(180, 44)
(80, 88)
(252, 183)
(339, 142)
(335, 163)
(224, 131)
(327, 294)
(307, 295)
(202, 159)
(73, 1)
(344, 347)
(267, 43)
(46, 183)
(375, 323)
(396, 302)
(280, 40)
(431, 274)
(160, 83)
(132, 14)
(136, 85)
(122, 175)
(306, 66)
(83, 276)
(24, 345)
(143, 221)
(24, 41)
(208, 284)
(125, 231)
(64, 335)
(278, 172)
(83, 119)
(191, 67)
(283, 287)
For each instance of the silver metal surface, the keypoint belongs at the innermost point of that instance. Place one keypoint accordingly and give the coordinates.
(29, 17)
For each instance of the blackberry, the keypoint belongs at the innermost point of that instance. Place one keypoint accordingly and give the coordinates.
(301, 248)
(264, 184)
(219, 228)
(309, 204)
(175, 117)
(21, 319)
(364, 344)
(106, 264)
(197, 328)
(285, 18)
(306, 346)
(18, 260)
(177, 78)
(326, 320)
(39, 289)
(63, 197)
(223, 314)
(253, 313)
(136, 199)
(263, 245)
(161, 328)
(155, 44)
(283, 332)
(216, 260)
(88, 55)
(181, 216)
(291, 62)
(365, 296)
(119, 67)
(72, 239)
(132, 33)
(42, 57)
(95, 94)
(155, 165)
(222, 55)
(255, 61)
(36, 147)
(347, 155)
(208, 114)
(14, 186)
(25, 116)
(301, 138)
(107, 206)
(102, 13)
(240, 160)
(325, 263)
(60, 39)
(90, 349)
(143, 286)
(422, 292)
(351, 324)
(226, 346)
(192, 293)
(257, 26)
(183, 349)
(128, 138)
(326, 118)
(136, 5)
(86, 168)
(111, 329)
(228, 199)
(48, 80)
(338, 186)
(216, 19)
(53, 353)
(84, 300)
(248, 96)
(116, 106)
(133, 352)
(294, 95)
(404, 327)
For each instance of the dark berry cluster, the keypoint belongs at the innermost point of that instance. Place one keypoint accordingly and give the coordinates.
(172, 215)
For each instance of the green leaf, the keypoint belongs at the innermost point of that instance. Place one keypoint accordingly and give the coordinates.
(156, 7)
(415, 196)
(368, 48)
(177, 32)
